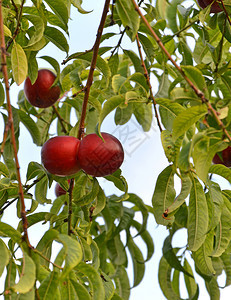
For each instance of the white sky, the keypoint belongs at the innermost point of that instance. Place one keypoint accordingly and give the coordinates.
(141, 167)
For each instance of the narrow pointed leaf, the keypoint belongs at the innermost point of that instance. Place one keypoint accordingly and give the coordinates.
(19, 63)
(164, 195)
(197, 217)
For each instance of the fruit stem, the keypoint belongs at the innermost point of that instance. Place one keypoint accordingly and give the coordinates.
(69, 220)
(199, 93)
(225, 10)
(92, 68)
(148, 82)
(11, 125)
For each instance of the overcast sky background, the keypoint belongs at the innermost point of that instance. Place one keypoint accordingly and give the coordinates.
(144, 158)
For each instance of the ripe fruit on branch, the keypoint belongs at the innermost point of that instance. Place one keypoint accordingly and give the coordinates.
(42, 94)
(225, 158)
(59, 155)
(59, 190)
(100, 158)
(215, 8)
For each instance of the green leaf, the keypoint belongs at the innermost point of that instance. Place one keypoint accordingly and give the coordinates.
(148, 46)
(190, 282)
(227, 267)
(196, 76)
(49, 286)
(221, 170)
(2, 94)
(54, 64)
(143, 114)
(34, 169)
(197, 216)
(108, 286)
(186, 119)
(72, 290)
(73, 253)
(96, 285)
(174, 108)
(164, 278)
(122, 284)
(101, 64)
(137, 260)
(202, 256)
(164, 195)
(57, 38)
(108, 107)
(8, 231)
(18, 63)
(135, 60)
(133, 198)
(37, 35)
(116, 251)
(223, 234)
(59, 8)
(77, 4)
(100, 202)
(169, 254)
(4, 170)
(89, 197)
(128, 16)
(172, 15)
(213, 289)
(27, 276)
(41, 191)
(31, 126)
(4, 256)
(146, 237)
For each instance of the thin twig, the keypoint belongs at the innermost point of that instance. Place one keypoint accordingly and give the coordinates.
(119, 42)
(148, 82)
(225, 10)
(61, 120)
(16, 32)
(25, 191)
(69, 219)
(92, 68)
(47, 259)
(11, 124)
(198, 92)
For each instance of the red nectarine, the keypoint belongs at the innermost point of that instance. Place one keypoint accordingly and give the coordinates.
(42, 93)
(98, 157)
(59, 155)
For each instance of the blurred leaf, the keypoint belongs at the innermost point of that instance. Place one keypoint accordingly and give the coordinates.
(128, 16)
(49, 286)
(4, 256)
(59, 8)
(96, 285)
(137, 260)
(27, 277)
(221, 170)
(37, 35)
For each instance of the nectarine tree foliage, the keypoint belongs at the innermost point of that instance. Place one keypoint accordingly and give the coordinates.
(186, 50)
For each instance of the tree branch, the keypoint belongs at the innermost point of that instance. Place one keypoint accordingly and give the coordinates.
(92, 68)
(199, 93)
(11, 124)
(148, 82)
